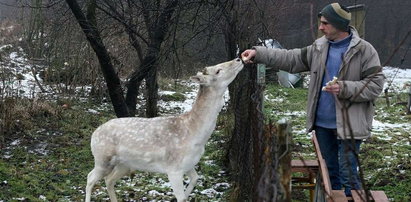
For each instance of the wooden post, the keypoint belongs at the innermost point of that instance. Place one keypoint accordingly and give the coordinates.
(284, 158)
(358, 18)
(387, 97)
(257, 127)
(409, 102)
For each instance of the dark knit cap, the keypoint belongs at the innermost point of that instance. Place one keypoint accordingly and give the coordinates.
(337, 15)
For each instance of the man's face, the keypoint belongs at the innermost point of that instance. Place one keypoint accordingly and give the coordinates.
(329, 31)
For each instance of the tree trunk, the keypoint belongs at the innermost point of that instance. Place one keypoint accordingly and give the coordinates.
(152, 92)
(240, 150)
(93, 36)
(135, 81)
(148, 68)
(133, 86)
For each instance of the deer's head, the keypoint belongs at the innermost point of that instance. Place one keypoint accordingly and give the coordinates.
(219, 76)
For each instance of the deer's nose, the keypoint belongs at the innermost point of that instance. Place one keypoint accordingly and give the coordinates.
(240, 60)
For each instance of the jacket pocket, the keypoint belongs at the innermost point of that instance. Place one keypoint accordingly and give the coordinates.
(359, 119)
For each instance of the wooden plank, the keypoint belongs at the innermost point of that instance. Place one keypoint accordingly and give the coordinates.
(377, 196)
(358, 195)
(304, 166)
(325, 177)
(304, 163)
(337, 196)
(323, 167)
(296, 164)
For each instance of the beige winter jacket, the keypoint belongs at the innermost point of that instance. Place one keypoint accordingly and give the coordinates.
(360, 77)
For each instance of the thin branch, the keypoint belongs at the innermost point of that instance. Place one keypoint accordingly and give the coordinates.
(123, 22)
(397, 48)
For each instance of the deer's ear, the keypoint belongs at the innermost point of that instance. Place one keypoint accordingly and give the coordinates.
(200, 79)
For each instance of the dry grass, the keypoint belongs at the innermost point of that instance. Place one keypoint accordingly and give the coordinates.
(20, 115)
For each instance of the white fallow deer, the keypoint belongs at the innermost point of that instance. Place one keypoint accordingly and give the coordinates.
(172, 145)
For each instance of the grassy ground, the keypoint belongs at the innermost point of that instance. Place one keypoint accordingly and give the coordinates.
(51, 159)
(47, 156)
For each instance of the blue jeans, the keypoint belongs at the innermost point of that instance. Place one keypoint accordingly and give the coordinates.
(341, 159)
(348, 152)
(327, 139)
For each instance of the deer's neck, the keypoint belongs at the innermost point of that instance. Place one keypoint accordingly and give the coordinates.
(203, 115)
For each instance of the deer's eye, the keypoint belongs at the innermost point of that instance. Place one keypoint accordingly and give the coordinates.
(218, 71)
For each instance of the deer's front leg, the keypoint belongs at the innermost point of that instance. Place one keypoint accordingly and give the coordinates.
(176, 180)
(193, 176)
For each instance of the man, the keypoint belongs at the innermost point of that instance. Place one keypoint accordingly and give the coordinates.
(340, 113)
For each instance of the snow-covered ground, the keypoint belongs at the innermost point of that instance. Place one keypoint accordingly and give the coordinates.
(22, 83)
(398, 80)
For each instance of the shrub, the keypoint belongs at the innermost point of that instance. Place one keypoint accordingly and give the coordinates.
(19, 115)
(173, 97)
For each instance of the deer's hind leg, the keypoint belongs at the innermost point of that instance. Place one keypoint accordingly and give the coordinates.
(118, 172)
(101, 168)
(92, 178)
(193, 176)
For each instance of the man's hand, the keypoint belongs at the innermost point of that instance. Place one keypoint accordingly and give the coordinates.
(333, 88)
(248, 55)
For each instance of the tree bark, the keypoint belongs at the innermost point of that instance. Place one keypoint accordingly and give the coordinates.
(240, 152)
(93, 36)
(152, 92)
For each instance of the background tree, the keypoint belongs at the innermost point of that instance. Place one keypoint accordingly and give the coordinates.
(148, 24)
(156, 21)
(89, 27)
